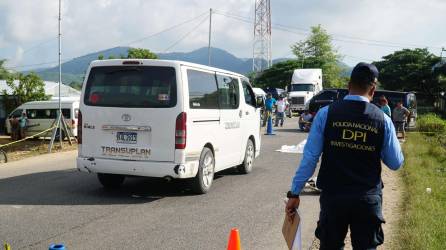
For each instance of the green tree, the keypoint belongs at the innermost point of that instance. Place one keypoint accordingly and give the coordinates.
(138, 53)
(317, 52)
(24, 88)
(412, 70)
(75, 85)
(278, 76)
(4, 73)
(101, 57)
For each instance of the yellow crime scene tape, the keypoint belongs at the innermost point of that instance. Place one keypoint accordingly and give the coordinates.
(26, 138)
(7, 246)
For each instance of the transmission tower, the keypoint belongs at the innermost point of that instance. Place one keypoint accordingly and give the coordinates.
(261, 58)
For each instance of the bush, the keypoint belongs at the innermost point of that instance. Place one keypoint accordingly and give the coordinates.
(431, 123)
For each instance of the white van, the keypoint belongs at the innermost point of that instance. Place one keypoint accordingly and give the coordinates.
(168, 119)
(41, 115)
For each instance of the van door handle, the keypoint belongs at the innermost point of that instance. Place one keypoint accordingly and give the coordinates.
(247, 112)
(240, 113)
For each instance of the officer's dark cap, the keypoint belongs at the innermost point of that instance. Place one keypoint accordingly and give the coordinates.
(364, 74)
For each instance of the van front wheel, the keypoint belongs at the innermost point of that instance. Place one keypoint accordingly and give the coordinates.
(246, 166)
(202, 182)
(111, 180)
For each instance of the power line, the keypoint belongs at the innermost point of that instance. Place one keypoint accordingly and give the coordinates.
(167, 29)
(187, 34)
(39, 64)
(129, 43)
(39, 45)
(343, 38)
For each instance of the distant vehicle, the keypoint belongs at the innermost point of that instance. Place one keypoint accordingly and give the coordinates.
(259, 92)
(305, 83)
(41, 115)
(275, 92)
(166, 119)
(328, 96)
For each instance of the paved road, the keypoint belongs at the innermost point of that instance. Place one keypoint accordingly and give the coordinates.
(44, 200)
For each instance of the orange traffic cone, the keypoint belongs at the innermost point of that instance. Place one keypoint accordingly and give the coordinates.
(234, 240)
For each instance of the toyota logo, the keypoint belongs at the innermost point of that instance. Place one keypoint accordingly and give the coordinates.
(126, 117)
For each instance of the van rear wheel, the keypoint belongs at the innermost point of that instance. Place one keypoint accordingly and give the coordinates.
(202, 182)
(246, 166)
(111, 180)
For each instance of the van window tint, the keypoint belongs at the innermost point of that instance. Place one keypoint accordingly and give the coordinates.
(392, 98)
(412, 102)
(203, 92)
(228, 90)
(47, 113)
(250, 98)
(326, 95)
(17, 113)
(131, 86)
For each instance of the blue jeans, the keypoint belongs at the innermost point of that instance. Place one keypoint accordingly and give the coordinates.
(280, 116)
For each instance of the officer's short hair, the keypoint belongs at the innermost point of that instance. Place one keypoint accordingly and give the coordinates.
(364, 75)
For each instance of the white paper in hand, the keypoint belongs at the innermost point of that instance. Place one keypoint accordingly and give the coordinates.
(297, 244)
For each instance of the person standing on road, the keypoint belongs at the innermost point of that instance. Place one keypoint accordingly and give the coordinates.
(269, 104)
(23, 120)
(384, 105)
(400, 114)
(281, 106)
(353, 137)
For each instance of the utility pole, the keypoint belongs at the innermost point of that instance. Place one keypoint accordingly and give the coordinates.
(60, 66)
(59, 124)
(210, 32)
(261, 58)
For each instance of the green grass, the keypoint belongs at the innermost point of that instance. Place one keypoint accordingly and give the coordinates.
(423, 219)
(431, 122)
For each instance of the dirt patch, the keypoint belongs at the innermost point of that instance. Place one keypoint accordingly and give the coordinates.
(32, 147)
(392, 195)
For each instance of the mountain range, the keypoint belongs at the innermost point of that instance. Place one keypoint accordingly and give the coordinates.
(73, 70)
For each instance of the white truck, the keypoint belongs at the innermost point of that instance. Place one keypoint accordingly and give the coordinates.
(305, 84)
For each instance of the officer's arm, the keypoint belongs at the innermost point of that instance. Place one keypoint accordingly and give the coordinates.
(391, 153)
(312, 152)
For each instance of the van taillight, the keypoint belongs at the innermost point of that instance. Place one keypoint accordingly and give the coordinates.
(180, 131)
(79, 127)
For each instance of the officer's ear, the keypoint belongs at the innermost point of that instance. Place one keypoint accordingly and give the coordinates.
(371, 91)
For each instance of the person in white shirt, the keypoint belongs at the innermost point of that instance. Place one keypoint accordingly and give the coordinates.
(281, 106)
(305, 121)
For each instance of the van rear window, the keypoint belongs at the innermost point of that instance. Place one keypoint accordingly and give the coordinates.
(131, 86)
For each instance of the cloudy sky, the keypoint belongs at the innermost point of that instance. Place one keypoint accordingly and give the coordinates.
(362, 30)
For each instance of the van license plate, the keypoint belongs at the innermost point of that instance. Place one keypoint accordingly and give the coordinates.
(126, 137)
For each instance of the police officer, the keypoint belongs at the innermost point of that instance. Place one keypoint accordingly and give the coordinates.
(353, 137)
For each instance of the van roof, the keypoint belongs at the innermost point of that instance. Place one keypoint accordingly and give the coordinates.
(50, 102)
(378, 90)
(157, 62)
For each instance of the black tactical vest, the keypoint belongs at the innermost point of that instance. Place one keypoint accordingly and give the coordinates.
(351, 159)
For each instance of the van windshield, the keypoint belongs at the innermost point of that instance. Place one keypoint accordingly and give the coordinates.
(131, 86)
(302, 87)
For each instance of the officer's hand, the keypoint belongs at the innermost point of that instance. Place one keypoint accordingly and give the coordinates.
(291, 206)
